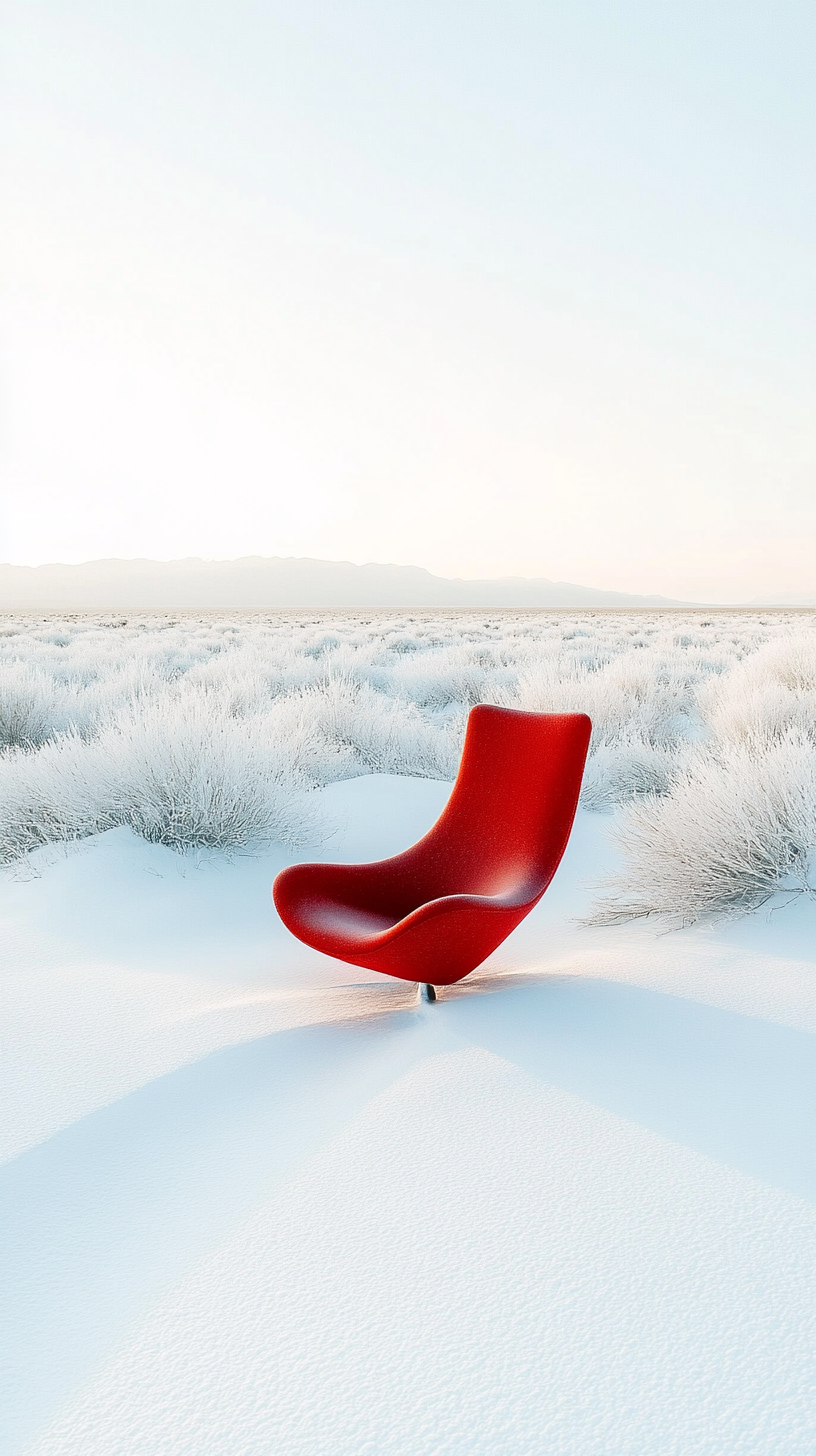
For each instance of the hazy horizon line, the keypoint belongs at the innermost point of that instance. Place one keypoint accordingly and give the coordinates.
(645, 600)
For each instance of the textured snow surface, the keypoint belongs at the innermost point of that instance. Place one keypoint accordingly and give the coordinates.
(254, 1202)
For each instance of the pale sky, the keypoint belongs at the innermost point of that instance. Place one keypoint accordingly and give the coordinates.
(491, 287)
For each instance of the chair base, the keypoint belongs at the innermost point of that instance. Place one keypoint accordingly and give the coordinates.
(427, 993)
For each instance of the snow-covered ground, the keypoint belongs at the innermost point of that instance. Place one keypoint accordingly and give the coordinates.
(256, 1203)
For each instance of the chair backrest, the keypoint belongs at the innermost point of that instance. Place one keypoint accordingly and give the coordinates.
(509, 816)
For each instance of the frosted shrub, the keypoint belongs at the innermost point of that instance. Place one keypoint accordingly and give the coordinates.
(216, 730)
(26, 705)
(214, 780)
(738, 824)
(453, 674)
(766, 694)
(627, 769)
(384, 735)
(193, 776)
(646, 697)
(643, 714)
(37, 706)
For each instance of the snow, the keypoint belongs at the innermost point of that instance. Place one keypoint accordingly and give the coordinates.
(255, 1201)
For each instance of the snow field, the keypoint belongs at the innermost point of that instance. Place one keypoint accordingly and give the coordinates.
(256, 1201)
(579, 1287)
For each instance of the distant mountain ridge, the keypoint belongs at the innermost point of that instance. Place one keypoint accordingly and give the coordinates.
(276, 581)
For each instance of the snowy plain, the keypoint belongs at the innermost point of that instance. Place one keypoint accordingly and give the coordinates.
(256, 1201)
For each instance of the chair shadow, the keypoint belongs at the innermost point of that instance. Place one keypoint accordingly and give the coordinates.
(103, 1217)
(736, 1088)
(96, 1222)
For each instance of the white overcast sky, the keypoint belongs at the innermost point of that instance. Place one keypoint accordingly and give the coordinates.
(496, 287)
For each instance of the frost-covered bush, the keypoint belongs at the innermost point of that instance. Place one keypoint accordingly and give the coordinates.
(191, 775)
(217, 729)
(26, 710)
(738, 824)
(627, 769)
(383, 734)
(766, 694)
(644, 696)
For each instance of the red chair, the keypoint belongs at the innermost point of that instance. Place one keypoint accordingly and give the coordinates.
(436, 911)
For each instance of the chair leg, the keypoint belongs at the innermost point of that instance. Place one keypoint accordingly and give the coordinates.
(426, 993)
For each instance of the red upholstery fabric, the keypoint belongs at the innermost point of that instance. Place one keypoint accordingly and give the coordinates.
(436, 911)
